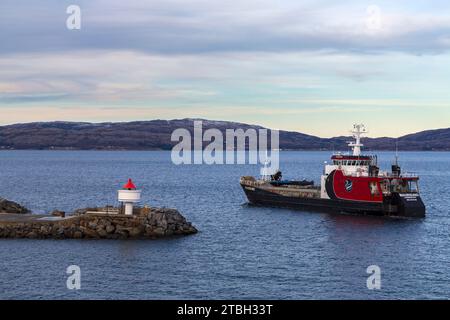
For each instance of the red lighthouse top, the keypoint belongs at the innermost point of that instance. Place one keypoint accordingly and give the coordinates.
(129, 185)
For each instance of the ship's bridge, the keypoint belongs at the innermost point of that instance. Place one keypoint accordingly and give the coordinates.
(355, 163)
(351, 164)
(351, 160)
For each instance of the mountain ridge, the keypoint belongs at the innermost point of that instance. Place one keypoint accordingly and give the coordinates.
(155, 135)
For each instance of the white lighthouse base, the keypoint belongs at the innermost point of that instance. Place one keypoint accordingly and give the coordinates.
(128, 197)
(128, 208)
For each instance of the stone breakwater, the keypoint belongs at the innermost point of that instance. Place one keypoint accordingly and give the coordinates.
(149, 223)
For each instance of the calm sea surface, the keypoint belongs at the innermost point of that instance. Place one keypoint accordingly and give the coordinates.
(240, 251)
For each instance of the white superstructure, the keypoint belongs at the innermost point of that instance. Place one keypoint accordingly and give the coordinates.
(354, 164)
(129, 195)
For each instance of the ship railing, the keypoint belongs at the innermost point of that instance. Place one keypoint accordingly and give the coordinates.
(401, 175)
(384, 174)
(409, 175)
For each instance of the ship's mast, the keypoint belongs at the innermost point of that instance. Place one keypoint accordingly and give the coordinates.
(358, 130)
(396, 152)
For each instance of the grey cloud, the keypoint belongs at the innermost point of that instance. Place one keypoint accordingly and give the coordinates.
(184, 27)
(30, 98)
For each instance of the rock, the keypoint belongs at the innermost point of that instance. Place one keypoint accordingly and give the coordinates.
(190, 230)
(89, 233)
(102, 233)
(58, 213)
(77, 235)
(92, 224)
(68, 233)
(144, 211)
(150, 223)
(135, 232)
(7, 206)
(45, 229)
(158, 231)
(32, 235)
(121, 234)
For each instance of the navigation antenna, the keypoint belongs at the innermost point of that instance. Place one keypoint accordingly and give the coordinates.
(358, 130)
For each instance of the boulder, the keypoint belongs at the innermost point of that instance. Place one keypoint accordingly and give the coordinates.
(158, 231)
(135, 232)
(102, 233)
(142, 211)
(110, 228)
(7, 206)
(58, 213)
(77, 235)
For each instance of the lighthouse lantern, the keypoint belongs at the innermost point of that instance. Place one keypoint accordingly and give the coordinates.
(129, 195)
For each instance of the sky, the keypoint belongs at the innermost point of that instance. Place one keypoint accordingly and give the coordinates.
(310, 66)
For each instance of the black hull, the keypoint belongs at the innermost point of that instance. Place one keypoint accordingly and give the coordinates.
(262, 197)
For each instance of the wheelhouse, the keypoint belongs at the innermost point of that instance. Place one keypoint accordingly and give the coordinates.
(349, 160)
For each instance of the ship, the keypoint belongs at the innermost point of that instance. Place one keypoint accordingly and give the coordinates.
(351, 183)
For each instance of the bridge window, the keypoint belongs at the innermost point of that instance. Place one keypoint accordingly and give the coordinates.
(413, 187)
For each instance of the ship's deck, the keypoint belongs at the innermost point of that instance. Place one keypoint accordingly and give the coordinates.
(285, 190)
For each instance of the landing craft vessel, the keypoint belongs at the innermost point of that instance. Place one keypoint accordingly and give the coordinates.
(351, 183)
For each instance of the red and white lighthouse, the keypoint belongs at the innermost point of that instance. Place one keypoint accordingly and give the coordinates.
(129, 195)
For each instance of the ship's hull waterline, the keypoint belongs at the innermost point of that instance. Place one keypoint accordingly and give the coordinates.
(412, 208)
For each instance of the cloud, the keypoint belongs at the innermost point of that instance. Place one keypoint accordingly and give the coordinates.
(201, 26)
(100, 76)
(375, 103)
(265, 79)
(24, 98)
(283, 63)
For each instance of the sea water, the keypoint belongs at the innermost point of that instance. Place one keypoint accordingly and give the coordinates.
(240, 252)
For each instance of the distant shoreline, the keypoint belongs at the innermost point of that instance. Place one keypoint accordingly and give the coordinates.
(165, 150)
(156, 135)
